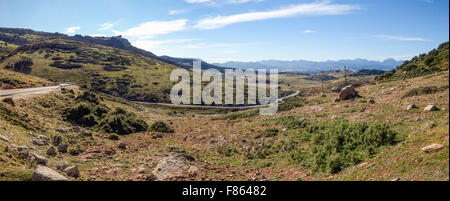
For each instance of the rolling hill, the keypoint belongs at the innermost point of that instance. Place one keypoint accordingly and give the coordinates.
(435, 61)
(105, 69)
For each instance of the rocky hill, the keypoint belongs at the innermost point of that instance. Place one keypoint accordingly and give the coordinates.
(105, 69)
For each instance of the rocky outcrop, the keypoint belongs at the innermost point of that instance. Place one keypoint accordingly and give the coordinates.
(173, 166)
(348, 92)
(42, 173)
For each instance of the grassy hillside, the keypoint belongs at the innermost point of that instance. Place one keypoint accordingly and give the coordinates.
(104, 69)
(435, 61)
(14, 80)
(6, 48)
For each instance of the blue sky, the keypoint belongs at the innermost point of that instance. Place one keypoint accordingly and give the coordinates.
(247, 30)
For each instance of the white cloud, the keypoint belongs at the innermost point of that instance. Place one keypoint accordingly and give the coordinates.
(307, 31)
(154, 28)
(151, 45)
(176, 12)
(106, 26)
(311, 9)
(213, 45)
(198, 1)
(72, 29)
(400, 38)
(242, 1)
(97, 35)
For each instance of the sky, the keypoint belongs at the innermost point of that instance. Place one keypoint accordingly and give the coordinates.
(247, 30)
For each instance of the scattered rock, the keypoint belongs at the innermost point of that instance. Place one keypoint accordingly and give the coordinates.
(348, 93)
(193, 171)
(72, 171)
(43, 173)
(410, 107)
(171, 167)
(157, 135)
(87, 134)
(62, 148)
(110, 151)
(396, 179)
(40, 140)
(51, 151)
(62, 165)
(337, 100)
(431, 108)
(60, 130)
(23, 152)
(56, 140)
(334, 117)
(4, 138)
(40, 160)
(433, 147)
(121, 145)
(141, 170)
(336, 89)
(371, 101)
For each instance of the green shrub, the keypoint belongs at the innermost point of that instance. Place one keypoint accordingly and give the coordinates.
(10, 101)
(88, 96)
(83, 114)
(160, 126)
(270, 132)
(75, 151)
(424, 91)
(113, 136)
(335, 144)
(122, 122)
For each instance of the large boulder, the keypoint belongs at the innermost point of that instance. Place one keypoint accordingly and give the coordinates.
(40, 140)
(348, 92)
(39, 159)
(51, 152)
(62, 148)
(72, 171)
(431, 108)
(172, 167)
(42, 173)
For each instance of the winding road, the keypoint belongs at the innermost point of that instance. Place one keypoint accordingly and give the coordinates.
(46, 90)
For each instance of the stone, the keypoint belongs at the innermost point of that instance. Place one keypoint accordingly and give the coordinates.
(60, 130)
(141, 170)
(335, 89)
(62, 165)
(348, 93)
(431, 108)
(172, 167)
(121, 145)
(87, 134)
(371, 101)
(396, 179)
(410, 107)
(56, 140)
(433, 147)
(40, 140)
(157, 135)
(23, 152)
(40, 160)
(193, 171)
(62, 148)
(4, 138)
(43, 173)
(51, 152)
(72, 171)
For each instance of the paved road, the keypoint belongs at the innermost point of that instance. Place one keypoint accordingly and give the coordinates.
(220, 107)
(45, 90)
(30, 91)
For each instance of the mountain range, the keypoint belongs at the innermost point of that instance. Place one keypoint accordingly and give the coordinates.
(314, 66)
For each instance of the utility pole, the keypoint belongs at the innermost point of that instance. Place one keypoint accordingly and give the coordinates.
(345, 75)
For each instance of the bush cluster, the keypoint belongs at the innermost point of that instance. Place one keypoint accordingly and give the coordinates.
(160, 126)
(336, 144)
(89, 111)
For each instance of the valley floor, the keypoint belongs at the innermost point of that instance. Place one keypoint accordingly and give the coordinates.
(215, 145)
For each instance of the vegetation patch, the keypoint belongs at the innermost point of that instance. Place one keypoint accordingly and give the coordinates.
(160, 126)
(122, 122)
(425, 91)
(89, 111)
(335, 144)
